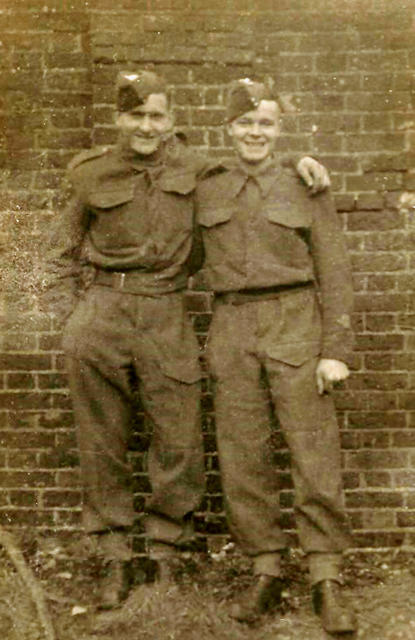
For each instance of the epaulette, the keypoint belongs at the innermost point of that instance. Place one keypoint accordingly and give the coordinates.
(85, 156)
(214, 167)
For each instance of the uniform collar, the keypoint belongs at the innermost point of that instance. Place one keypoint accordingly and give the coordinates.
(141, 163)
(167, 169)
(241, 173)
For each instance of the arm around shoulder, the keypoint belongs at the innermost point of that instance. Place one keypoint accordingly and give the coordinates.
(333, 273)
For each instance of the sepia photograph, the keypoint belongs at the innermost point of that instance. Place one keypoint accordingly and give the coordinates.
(207, 316)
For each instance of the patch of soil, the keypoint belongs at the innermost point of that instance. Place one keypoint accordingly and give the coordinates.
(381, 588)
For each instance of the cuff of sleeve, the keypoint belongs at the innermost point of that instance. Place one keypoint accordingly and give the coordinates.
(341, 354)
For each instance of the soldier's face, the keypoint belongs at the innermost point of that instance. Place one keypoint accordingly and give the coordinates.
(255, 133)
(144, 128)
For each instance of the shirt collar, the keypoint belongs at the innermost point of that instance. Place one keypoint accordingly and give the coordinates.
(264, 177)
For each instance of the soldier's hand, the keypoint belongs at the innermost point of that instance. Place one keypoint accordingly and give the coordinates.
(314, 174)
(329, 372)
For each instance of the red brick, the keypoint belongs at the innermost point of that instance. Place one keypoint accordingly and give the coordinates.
(378, 519)
(377, 460)
(20, 381)
(21, 400)
(381, 361)
(379, 342)
(378, 122)
(297, 63)
(386, 162)
(410, 500)
(209, 117)
(404, 361)
(377, 302)
(68, 478)
(378, 479)
(24, 498)
(63, 499)
(350, 480)
(26, 439)
(52, 381)
(379, 381)
(68, 519)
(376, 420)
(374, 181)
(362, 143)
(369, 201)
(371, 220)
(26, 518)
(377, 401)
(378, 262)
(340, 164)
(404, 439)
(379, 539)
(407, 401)
(22, 459)
(20, 479)
(406, 518)
(380, 322)
(329, 102)
(344, 41)
(374, 440)
(345, 202)
(373, 499)
(391, 241)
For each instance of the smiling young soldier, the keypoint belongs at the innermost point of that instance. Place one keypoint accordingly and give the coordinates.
(120, 258)
(276, 259)
(129, 227)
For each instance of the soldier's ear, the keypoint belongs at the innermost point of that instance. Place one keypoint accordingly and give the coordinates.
(172, 117)
(228, 128)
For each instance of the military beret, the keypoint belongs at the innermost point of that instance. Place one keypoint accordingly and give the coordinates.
(134, 87)
(246, 94)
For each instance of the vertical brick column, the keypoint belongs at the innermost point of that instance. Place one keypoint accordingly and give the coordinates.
(46, 113)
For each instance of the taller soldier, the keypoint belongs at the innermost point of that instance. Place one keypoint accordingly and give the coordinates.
(127, 232)
(129, 226)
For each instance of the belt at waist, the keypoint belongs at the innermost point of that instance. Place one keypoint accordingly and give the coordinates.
(255, 295)
(139, 282)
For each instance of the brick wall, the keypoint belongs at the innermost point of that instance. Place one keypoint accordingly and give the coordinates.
(345, 71)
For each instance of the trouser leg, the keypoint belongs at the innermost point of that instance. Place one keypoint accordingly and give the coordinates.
(103, 416)
(175, 457)
(310, 428)
(249, 480)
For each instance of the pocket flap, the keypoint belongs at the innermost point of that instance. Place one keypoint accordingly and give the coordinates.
(288, 214)
(107, 199)
(182, 183)
(294, 354)
(209, 216)
(187, 371)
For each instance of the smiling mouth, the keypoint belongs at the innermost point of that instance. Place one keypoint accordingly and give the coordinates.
(255, 145)
(144, 138)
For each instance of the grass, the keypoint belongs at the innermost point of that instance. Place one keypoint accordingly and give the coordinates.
(195, 605)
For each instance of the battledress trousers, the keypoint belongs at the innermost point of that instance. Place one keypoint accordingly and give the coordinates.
(276, 261)
(130, 225)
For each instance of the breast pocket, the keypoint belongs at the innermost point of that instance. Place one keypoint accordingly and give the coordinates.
(219, 236)
(111, 227)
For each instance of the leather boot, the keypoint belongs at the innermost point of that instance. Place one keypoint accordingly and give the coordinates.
(261, 597)
(113, 585)
(327, 603)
